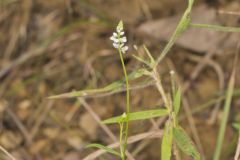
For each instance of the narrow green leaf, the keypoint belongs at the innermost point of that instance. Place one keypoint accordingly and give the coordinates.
(138, 116)
(224, 120)
(107, 149)
(185, 143)
(177, 101)
(115, 86)
(167, 142)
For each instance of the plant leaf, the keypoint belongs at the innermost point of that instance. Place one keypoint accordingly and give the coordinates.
(167, 142)
(138, 116)
(177, 101)
(185, 143)
(107, 149)
(115, 86)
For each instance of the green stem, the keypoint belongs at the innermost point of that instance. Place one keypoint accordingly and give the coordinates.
(127, 100)
(227, 106)
(120, 140)
(160, 89)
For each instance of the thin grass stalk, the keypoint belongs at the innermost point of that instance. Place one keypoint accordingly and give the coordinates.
(227, 105)
(127, 102)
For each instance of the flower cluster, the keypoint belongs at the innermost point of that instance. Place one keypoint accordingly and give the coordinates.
(119, 39)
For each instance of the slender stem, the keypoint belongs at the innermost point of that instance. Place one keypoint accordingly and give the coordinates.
(160, 88)
(127, 100)
(7, 153)
(120, 140)
(227, 106)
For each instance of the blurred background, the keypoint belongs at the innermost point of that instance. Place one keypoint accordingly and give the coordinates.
(50, 47)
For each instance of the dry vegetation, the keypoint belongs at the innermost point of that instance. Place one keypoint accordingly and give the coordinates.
(50, 47)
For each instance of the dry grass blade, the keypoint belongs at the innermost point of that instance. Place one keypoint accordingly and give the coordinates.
(236, 157)
(19, 124)
(7, 153)
(229, 12)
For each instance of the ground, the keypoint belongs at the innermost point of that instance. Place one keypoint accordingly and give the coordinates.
(53, 47)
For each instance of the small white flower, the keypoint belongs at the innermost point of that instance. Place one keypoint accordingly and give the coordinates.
(115, 45)
(124, 39)
(119, 39)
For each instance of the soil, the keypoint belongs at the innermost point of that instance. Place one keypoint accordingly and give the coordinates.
(53, 47)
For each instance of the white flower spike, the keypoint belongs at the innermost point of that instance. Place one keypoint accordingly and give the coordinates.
(119, 39)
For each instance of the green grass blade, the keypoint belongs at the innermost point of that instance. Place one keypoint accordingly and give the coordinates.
(138, 116)
(177, 101)
(166, 147)
(227, 106)
(109, 88)
(105, 148)
(216, 27)
(185, 143)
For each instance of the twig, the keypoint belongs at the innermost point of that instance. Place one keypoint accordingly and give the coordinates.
(228, 12)
(19, 124)
(7, 153)
(237, 150)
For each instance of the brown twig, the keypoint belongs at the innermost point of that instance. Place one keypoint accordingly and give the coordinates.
(7, 153)
(19, 124)
(237, 153)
